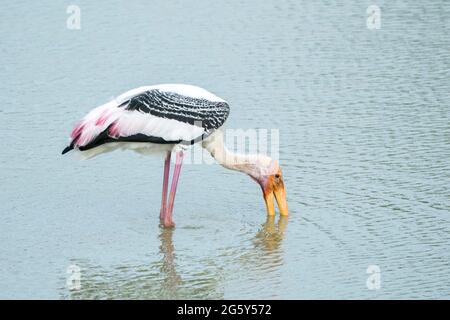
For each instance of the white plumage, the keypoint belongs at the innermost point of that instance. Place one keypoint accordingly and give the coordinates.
(120, 123)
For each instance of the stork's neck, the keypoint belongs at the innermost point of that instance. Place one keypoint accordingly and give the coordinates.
(255, 165)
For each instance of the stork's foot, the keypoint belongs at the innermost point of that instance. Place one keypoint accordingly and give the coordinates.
(168, 223)
(165, 219)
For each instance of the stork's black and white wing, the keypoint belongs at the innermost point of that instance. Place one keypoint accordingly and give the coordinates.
(172, 113)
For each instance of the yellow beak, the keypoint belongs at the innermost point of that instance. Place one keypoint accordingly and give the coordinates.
(277, 193)
(280, 196)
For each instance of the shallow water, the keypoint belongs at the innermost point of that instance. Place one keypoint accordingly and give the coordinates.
(364, 144)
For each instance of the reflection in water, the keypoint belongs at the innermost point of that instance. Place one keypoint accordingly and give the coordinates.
(157, 280)
(254, 265)
(270, 237)
(171, 280)
(167, 278)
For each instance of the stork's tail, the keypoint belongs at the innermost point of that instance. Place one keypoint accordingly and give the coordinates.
(67, 149)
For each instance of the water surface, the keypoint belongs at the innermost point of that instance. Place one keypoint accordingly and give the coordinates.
(364, 144)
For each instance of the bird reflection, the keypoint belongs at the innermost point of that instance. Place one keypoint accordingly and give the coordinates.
(199, 278)
(172, 280)
(156, 280)
(270, 237)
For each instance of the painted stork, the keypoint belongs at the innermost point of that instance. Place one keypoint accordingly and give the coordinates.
(168, 118)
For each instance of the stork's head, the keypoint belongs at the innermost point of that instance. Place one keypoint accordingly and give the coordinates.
(269, 176)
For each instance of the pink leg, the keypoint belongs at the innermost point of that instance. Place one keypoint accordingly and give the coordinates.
(168, 222)
(163, 210)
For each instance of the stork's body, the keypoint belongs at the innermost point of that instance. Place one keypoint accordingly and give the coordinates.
(165, 119)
